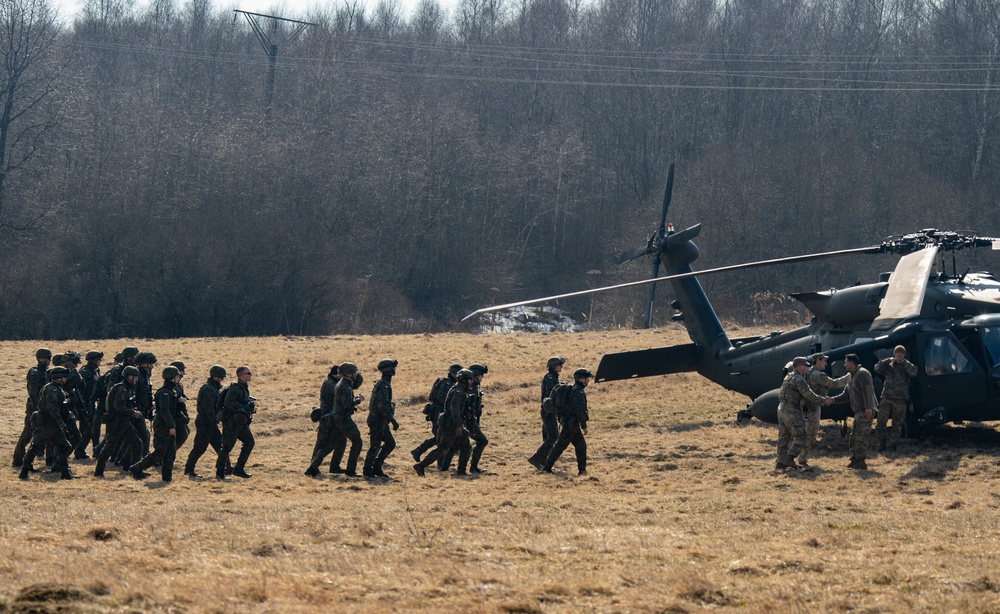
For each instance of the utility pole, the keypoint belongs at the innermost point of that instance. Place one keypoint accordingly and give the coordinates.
(271, 47)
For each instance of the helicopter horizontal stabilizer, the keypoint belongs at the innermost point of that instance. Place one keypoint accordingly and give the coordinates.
(644, 363)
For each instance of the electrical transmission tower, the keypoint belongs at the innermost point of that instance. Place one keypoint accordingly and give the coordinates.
(271, 47)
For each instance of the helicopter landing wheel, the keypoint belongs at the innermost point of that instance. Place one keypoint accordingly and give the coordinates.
(743, 417)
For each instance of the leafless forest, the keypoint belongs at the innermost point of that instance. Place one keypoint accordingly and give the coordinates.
(409, 169)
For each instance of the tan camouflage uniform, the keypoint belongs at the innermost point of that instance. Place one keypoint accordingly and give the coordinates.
(820, 383)
(792, 398)
(895, 399)
(861, 394)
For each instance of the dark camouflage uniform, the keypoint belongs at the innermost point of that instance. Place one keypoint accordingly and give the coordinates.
(451, 430)
(328, 436)
(50, 429)
(895, 399)
(344, 404)
(236, 427)
(550, 422)
(206, 426)
(436, 399)
(121, 408)
(473, 418)
(793, 396)
(574, 419)
(170, 415)
(89, 416)
(381, 413)
(74, 388)
(36, 381)
(861, 393)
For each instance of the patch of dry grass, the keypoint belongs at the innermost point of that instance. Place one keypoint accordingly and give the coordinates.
(681, 514)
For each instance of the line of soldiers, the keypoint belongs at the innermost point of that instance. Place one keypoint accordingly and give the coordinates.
(67, 407)
(562, 423)
(804, 392)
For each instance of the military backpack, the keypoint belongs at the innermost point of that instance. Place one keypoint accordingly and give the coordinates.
(558, 400)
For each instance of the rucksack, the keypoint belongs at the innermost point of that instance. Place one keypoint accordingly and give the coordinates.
(220, 404)
(558, 400)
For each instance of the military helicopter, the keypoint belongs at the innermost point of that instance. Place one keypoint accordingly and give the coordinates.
(950, 323)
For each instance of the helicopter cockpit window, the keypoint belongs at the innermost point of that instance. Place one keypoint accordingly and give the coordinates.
(991, 339)
(942, 356)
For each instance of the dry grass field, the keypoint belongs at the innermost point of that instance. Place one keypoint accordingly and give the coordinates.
(681, 512)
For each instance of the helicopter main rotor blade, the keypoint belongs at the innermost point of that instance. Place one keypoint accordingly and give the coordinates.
(652, 291)
(636, 253)
(668, 192)
(876, 249)
(907, 288)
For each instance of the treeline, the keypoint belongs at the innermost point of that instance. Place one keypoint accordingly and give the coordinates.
(410, 169)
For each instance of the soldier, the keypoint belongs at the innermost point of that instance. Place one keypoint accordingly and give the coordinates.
(434, 407)
(344, 405)
(574, 425)
(122, 412)
(169, 431)
(328, 437)
(99, 398)
(36, 381)
(861, 393)
(820, 383)
(144, 396)
(128, 356)
(239, 410)
(50, 427)
(793, 398)
(474, 417)
(550, 422)
(381, 413)
(897, 372)
(206, 425)
(77, 407)
(451, 430)
(90, 373)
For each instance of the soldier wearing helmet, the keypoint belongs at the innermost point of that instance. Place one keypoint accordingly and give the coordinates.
(90, 374)
(206, 426)
(50, 427)
(474, 416)
(77, 408)
(550, 422)
(36, 381)
(122, 413)
(574, 425)
(239, 410)
(169, 428)
(451, 430)
(381, 413)
(328, 436)
(344, 405)
(434, 407)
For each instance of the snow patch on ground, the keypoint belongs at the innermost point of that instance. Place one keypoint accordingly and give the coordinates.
(530, 319)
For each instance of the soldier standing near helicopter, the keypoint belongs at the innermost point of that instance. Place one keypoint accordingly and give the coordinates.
(897, 372)
(793, 397)
(861, 394)
(820, 383)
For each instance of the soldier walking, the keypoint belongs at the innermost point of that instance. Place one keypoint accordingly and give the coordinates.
(793, 396)
(381, 413)
(574, 425)
(206, 424)
(897, 371)
(861, 393)
(50, 427)
(328, 437)
(237, 416)
(169, 428)
(122, 411)
(474, 417)
(36, 381)
(344, 405)
(451, 429)
(820, 383)
(550, 421)
(90, 373)
(434, 408)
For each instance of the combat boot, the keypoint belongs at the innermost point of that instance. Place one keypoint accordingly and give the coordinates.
(221, 476)
(415, 453)
(419, 469)
(25, 473)
(312, 472)
(67, 475)
(790, 463)
(137, 472)
(534, 462)
(861, 465)
(241, 473)
(881, 445)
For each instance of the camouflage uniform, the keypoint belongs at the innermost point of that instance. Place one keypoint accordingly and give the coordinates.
(861, 394)
(328, 437)
(74, 388)
(550, 423)
(574, 420)
(435, 406)
(206, 426)
(381, 413)
(36, 381)
(170, 415)
(50, 430)
(344, 404)
(90, 374)
(895, 399)
(793, 396)
(820, 383)
(451, 431)
(144, 400)
(240, 408)
(121, 408)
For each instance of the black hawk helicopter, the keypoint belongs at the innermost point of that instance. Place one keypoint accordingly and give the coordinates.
(950, 324)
